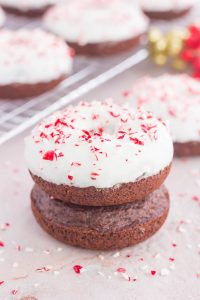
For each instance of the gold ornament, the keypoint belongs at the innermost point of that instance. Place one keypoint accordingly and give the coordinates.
(167, 47)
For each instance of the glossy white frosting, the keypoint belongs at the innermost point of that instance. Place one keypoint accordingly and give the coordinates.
(175, 99)
(26, 5)
(166, 5)
(96, 21)
(98, 144)
(32, 57)
(2, 17)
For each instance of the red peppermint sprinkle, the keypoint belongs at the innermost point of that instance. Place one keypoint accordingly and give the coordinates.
(123, 120)
(153, 272)
(48, 125)
(121, 270)
(43, 269)
(126, 93)
(77, 269)
(49, 155)
(14, 292)
(171, 259)
(43, 135)
(94, 174)
(2, 282)
(113, 114)
(60, 154)
(172, 112)
(174, 245)
(60, 122)
(70, 177)
(2, 244)
(121, 137)
(75, 164)
(136, 141)
(196, 198)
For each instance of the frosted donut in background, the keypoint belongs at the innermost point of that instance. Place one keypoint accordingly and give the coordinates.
(97, 27)
(175, 99)
(31, 62)
(166, 9)
(27, 7)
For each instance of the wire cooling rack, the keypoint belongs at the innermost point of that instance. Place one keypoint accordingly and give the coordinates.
(88, 73)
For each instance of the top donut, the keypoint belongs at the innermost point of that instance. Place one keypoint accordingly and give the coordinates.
(97, 26)
(99, 150)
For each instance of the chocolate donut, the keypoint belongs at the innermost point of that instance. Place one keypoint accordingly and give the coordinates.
(101, 228)
(31, 62)
(176, 100)
(166, 9)
(95, 27)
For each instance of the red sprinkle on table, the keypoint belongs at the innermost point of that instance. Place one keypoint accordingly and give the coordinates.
(153, 272)
(70, 177)
(77, 269)
(121, 270)
(2, 282)
(2, 244)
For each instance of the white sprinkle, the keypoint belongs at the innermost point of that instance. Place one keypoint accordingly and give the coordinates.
(116, 254)
(15, 265)
(59, 249)
(56, 273)
(2, 259)
(181, 229)
(46, 251)
(145, 267)
(101, 273)
(172, 266)
(164, 272)
(101, 257)
(36, 285)
(28, 249)
(188, 221)
(157, 255)
(125, 275)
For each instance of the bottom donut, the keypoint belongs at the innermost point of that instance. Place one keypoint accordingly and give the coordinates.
(101, 228)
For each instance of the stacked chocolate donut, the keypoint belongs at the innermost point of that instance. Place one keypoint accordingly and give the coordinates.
(99, 169)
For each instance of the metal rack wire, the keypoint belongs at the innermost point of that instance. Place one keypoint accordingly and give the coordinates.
(88, 73)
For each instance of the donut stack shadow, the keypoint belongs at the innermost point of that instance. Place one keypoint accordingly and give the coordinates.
(106, 226)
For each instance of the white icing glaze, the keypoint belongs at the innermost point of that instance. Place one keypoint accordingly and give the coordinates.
(32, 57)
(96, 21)
(174, 98)
(26, 5)
(166, 5)
(2, 17)
(98, 144)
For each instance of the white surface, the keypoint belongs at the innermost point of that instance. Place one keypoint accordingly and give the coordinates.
(173, 280)
(93, 21)
(32, 57)
(117, 145)
(175, 99)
